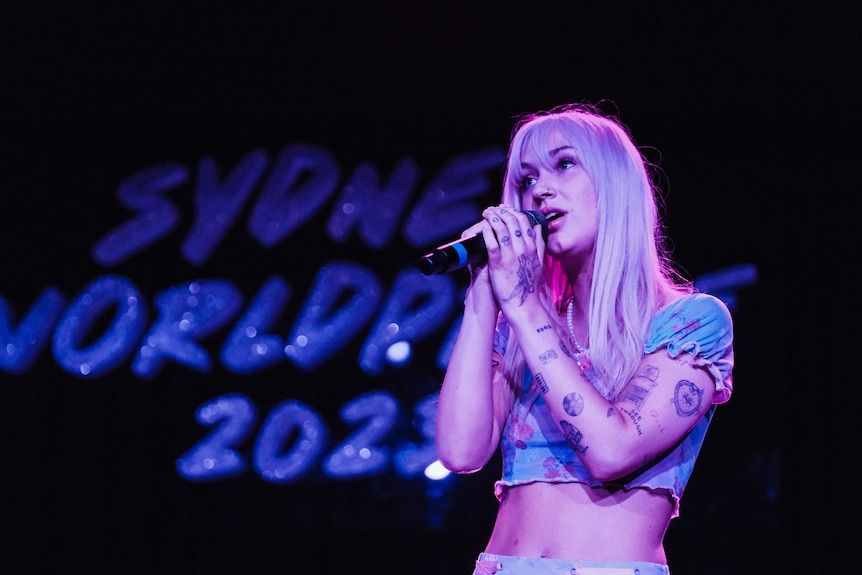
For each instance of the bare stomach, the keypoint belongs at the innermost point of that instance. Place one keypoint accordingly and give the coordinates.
(575, 521)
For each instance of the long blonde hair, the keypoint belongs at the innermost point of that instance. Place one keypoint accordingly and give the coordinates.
(633, 275)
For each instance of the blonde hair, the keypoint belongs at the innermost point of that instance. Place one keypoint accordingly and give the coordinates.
(633, 275)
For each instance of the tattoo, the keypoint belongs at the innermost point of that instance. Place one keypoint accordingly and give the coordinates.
(649, 372)
(574, 437)
(565, 348)
(610, 412)
(573, 403)
(494, 363)
(528, 276)
(530, 233)
(687, 398)
(543, 328)
(541, 381)
(635, 417)
(637, 394)
(495, 219)
(505, 241)
(517, 233)
(548, 356)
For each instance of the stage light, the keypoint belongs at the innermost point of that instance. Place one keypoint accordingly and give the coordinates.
(436, 471)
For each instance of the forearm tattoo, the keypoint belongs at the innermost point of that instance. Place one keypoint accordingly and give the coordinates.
(687, 398)
(549, 355)
(574, 437)
(573, 403)
(540, 379)
(528, 276)
(543, 328)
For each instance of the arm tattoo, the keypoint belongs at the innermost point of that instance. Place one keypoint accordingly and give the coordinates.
(640, 386)
(541, 381)
(636, 419)
(548, 356)
(687, 398)
(543, 328)
(505, 241)
(565, 348)
(573, 403)
(574, 437)
(528, 276)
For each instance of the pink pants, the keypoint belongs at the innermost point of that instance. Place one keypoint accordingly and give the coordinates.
(489, 564)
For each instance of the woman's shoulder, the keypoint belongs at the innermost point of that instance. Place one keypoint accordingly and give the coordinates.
(695, 304)
(699, 324)
(695, 317)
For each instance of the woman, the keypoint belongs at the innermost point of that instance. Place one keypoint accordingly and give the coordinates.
(584, 357)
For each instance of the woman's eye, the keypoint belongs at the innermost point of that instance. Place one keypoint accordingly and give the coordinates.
(567, 163)
(527, 181)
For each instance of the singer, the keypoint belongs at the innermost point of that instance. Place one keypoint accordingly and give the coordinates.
(583, 356)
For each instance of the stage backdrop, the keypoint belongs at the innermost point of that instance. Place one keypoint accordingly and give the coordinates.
(217, 353)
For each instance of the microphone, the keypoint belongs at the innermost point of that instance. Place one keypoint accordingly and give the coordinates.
(469, 251)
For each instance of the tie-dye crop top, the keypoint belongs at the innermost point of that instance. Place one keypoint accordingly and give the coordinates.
(534, 449)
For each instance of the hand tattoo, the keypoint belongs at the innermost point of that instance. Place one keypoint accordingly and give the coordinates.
(528, 276)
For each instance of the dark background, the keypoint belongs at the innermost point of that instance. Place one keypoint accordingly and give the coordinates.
(749, 107)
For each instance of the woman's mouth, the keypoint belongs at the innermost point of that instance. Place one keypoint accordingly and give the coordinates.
(551, 217)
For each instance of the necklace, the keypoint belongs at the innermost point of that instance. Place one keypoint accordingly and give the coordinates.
(569, 312)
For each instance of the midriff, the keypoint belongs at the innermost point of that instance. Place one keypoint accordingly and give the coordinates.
(576, 521)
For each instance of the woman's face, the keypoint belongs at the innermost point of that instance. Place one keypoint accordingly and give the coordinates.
(554, 182)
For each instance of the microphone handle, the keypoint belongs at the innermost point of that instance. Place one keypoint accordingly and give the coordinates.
(468, 251)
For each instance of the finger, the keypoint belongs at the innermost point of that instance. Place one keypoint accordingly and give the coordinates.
(497, 219)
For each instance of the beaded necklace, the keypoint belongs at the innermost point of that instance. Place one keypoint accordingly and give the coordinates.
(569, 312)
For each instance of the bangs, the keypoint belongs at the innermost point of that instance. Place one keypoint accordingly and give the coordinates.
(533, 141)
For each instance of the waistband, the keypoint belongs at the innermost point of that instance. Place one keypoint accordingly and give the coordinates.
(489, 564)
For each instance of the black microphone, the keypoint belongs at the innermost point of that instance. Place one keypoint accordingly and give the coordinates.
(469, 251)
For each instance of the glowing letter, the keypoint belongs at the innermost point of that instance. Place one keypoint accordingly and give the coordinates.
(156, 215)
(119, 339)
(217, 206)
(374, 211)
(398, 322)
(300, 183)
(186, 312)
(20, 346)
(446, 206)
(247, 348)
(320, 330)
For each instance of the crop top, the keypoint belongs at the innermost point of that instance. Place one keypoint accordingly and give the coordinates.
(534, 449)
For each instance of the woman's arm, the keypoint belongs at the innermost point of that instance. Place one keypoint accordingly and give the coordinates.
(472, 405)
(657, 407)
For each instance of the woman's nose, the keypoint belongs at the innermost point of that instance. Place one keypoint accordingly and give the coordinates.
(542, 191)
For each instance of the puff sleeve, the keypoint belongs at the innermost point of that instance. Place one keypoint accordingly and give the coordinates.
(700, 325)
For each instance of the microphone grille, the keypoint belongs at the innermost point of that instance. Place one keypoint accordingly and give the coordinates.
(540, 219)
